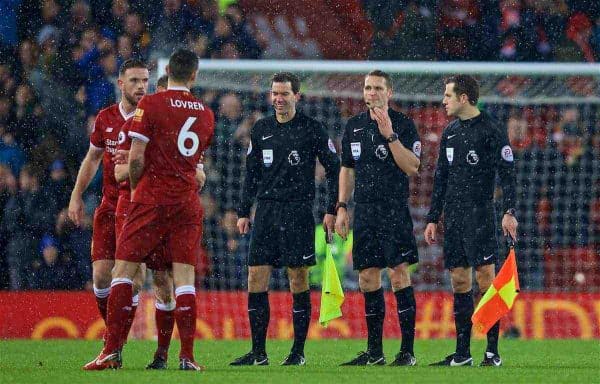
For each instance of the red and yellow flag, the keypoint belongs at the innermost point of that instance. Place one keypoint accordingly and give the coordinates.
(500, 297)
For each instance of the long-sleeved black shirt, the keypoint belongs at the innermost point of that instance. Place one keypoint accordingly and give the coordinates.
(471, 153)
(377, 177)
(281, 161)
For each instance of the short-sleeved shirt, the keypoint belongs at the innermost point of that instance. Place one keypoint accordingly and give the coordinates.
(377, 177)
(105, 136)
(178, 128)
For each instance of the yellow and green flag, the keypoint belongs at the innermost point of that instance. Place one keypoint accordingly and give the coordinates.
(500, 297)
(332, 295)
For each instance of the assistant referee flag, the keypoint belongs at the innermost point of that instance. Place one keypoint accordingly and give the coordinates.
(332, 295)
(500, 297)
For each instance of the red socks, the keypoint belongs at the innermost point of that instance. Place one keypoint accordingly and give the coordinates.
(134, 304)
(102, 300)
(165, 320)
(119, 311)
(185, 316)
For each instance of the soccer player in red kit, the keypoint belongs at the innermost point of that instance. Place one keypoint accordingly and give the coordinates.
(170, 130)
(133, 83)
(162, 273)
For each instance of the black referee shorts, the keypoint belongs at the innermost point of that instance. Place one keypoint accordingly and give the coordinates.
(383, 236)
(283, 234)
(470, 235)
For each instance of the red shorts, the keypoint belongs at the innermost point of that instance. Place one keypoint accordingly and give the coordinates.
(156, 260)
(123, 205)
(176, 228)
(103, 236)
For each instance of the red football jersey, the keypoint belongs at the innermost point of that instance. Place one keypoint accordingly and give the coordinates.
(105, 135)
(178, 128)
(124, 143)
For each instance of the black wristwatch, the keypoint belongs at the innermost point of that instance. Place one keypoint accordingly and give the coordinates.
(393, 137)
(340, 204)
(510, 211)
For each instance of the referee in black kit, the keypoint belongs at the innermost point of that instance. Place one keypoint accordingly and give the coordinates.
(380, 150)
(474, 148)
(280, 174)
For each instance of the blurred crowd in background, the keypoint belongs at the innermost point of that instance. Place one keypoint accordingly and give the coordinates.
(486, 30)
(58, 66)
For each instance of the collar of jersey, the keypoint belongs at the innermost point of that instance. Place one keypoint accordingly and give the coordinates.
(368, 122)
(125, 115)
(471, 121)
(289, 122)
(178, 88)
(367, 115)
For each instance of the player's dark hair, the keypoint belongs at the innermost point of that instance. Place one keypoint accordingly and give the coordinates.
(465, 84)
(287, 77)
(131, 63)
(182, 64)
(162, 81)
(379, 73)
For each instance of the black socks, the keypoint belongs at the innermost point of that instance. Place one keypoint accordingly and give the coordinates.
(259, 314)
(375, 314)
(407, 313)
(492, 338)
(463, 310)
(301, 317)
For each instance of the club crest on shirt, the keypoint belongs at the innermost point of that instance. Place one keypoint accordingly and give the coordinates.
(294, 158)
(267, 155)
(121, 138)
(450, 154)
(137, 117)
(381, 152)
(472, 157)
(355, 147)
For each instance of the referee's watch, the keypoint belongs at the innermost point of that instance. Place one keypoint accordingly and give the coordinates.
(391, 138)
(510, 211)
(340, 204)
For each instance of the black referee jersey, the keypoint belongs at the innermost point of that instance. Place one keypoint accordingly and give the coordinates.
(377, 176)
(280, 163)
(471, 153)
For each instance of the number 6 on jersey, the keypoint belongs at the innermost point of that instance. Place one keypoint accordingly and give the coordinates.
(185, 134)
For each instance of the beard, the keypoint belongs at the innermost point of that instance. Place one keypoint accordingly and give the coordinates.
(130, 99)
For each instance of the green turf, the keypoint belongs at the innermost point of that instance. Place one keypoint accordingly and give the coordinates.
(60, 361)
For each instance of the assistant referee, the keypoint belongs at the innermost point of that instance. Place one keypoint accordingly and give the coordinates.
(473, 150)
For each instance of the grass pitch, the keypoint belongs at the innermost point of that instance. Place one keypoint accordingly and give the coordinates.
(60, 362)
